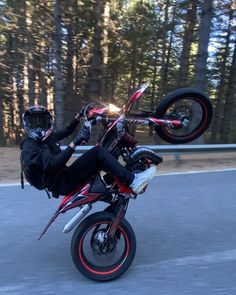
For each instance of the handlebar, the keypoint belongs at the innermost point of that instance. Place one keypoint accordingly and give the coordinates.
(143, 118)
(151, 121)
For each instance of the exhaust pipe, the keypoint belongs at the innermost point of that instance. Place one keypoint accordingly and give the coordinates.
(76, 219)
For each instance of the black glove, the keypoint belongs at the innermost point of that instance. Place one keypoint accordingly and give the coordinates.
(83, 135)
(80, 114)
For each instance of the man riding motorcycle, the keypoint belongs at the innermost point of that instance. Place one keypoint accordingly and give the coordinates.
(44, 163)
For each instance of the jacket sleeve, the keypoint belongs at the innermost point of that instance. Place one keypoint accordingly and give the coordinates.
(63, 133)
(52, 162)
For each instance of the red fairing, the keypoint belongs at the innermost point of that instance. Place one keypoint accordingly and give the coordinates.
(134, 97)
(80, 189)
(85, 189)
(122, 188)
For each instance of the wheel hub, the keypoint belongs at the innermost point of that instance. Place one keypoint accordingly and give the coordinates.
(103, 245)
(185, 121)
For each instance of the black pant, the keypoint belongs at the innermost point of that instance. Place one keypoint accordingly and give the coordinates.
(88, 165)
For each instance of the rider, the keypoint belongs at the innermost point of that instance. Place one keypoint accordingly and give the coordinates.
(44, 163)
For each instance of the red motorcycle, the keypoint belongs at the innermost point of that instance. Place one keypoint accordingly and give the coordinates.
(103, 244)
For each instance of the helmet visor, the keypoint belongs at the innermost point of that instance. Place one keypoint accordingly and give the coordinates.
(35, 121)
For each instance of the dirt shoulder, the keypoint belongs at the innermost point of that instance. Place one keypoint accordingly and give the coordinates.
(10, 164)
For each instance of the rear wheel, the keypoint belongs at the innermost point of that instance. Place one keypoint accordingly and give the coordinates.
(97, 257)
(189, 105)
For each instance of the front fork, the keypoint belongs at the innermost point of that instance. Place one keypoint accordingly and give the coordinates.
(120, 211)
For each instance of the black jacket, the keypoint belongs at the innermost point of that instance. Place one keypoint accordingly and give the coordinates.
(46, 158)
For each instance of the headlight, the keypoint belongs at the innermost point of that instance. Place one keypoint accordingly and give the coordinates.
(113, 109)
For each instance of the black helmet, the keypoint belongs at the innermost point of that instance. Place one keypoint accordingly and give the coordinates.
(37, 122)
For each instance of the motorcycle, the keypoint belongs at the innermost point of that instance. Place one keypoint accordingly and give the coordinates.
(103, 245)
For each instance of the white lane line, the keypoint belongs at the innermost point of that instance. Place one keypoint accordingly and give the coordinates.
(163, 174)
(196, 172)
(11, 184)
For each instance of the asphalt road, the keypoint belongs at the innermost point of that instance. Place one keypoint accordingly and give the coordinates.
(185, 227)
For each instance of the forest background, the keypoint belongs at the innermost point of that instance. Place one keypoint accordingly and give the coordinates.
(64, 54)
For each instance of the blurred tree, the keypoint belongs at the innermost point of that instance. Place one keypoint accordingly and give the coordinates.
(64, 54)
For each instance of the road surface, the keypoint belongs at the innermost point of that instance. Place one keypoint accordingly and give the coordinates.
(185, 227)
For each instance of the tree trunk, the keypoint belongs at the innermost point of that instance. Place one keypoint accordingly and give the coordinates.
(219, 108)
(42, 74)
(227, 125)
(93, 90)
(70, 106)
(191, 17)
(154, 77)
(29, 75)
(2, 94)
(167, 49)
(200, 78)
(105, 53)
(133, 67)
(59, 94)
(163, 56)
(202, 54)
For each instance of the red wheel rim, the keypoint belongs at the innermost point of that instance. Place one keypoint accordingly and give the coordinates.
(81, 256)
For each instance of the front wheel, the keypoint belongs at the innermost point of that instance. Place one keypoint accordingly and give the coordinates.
(189, 105)
(97, 257)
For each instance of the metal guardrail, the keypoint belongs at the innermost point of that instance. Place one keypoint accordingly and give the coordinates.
(175, 149)
(193, 148)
